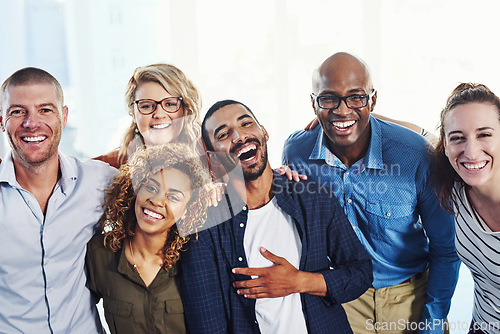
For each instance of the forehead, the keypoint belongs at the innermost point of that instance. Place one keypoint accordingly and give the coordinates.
(32, 94)
(152, 90)
(226, 116)
(172, 178)
(343, 76)
(472, 116)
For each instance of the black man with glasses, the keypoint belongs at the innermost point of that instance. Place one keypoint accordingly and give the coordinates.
(380, 173)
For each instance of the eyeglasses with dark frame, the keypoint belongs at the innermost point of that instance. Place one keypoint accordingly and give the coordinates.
(148, 106)
(354, 101)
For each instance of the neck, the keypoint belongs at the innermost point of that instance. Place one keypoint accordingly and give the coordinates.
(148, 246)
(352, 153)
(486, 194)
(260, 192)
(39, 180)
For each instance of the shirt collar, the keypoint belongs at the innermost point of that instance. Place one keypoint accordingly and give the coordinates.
(372, 160)
(69, 172)
(7, 173)
(127, 269)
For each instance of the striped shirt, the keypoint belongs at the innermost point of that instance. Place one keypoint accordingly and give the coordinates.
(479, 249)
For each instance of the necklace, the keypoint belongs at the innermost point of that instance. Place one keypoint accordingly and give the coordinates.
(133, 257)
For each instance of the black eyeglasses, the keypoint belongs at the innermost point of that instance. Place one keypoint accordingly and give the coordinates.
(352, 101)
(169, 104)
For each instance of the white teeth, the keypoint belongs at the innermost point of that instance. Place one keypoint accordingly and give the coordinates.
(474, 166)
(160, 126)
(246, 149)
(343, 125)
(152, 214)
(34, 139)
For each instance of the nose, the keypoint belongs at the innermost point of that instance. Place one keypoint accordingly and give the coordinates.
(160, 112)
(160, 199)
(472, 149)
(31, 120)
(342, 109)
(235, 136)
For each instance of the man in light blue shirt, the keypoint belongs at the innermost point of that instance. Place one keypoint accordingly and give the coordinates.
(49, 205)
(381, 174)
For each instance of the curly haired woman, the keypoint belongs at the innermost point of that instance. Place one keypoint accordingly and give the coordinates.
(156, 200)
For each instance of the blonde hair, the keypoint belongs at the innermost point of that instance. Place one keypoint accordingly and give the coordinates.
(119, 220)
(174, 81)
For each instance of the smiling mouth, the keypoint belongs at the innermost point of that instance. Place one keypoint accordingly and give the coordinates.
(152, 214)
(343, 125)
(247, 153)
(474, 166)
(34, 139)
(161, 126)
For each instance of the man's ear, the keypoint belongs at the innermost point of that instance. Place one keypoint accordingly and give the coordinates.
(374, 101)
(312, 103)
(266, 135)
(65, 116)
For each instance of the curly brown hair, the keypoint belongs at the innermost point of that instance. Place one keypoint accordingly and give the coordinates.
(119, 221)
(445, 175)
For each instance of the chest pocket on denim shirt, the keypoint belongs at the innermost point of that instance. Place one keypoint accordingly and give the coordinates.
(394, 216)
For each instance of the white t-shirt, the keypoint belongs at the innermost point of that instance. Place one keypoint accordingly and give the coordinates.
(272, 228)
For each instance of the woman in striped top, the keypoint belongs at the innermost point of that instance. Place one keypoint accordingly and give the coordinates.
(469, 173)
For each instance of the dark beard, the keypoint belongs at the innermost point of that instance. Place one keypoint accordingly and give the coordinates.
(253, 175)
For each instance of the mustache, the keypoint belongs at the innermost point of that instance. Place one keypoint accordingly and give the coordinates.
(238, 145)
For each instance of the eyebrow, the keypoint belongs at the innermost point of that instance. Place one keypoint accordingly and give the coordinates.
(41, 105)
(478, 129)
(155, 182)
(217, 130)
(354, 90)
(49, 104)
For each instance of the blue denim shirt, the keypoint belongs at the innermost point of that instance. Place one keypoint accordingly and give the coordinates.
(389, 199)
(329, 247)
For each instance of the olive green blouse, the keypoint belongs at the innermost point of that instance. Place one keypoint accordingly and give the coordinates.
(129, 305)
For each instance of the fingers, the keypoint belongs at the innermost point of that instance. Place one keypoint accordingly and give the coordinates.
(290, 174)
(284, 170)
(271, 257)
(254, 293)
(311, 125)
(248, 284)
(249, 271)
(217, 192)
(252, 289)
(297, 177)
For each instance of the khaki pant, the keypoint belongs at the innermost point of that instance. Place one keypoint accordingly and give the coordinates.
(392, 310)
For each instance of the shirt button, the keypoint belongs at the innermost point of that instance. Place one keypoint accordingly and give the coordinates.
(242, 225)
(51, 290)
(244, 208)
(388, 214)
(349, 201)
(240, 259)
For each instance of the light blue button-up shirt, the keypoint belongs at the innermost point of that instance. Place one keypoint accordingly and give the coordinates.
(42, 275)
(389, 199)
